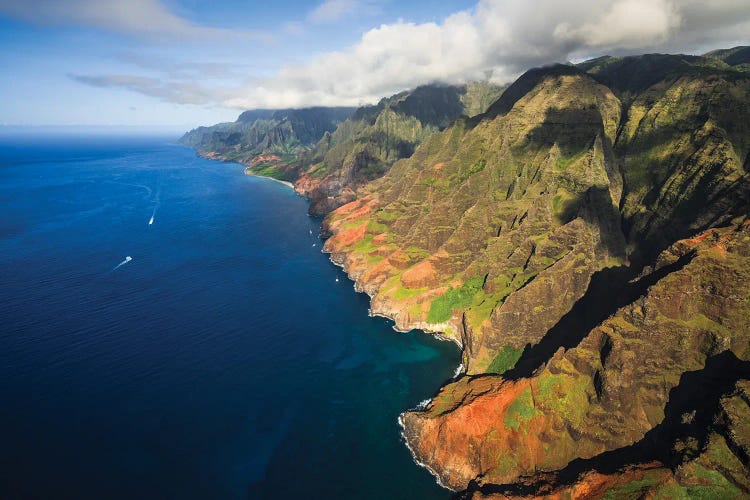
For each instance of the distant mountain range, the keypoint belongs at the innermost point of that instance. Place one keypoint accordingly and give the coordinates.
(282, 134)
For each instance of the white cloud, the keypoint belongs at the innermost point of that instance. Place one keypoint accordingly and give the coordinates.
(137, 17)
(625, 24)
(506, 36)
(174, 69)
(180, 92)
(332, 10)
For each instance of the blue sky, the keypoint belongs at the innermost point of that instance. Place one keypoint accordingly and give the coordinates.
(183, 63)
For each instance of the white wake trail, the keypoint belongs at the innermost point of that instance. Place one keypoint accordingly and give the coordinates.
(157, 199)
(127, 259)
(156, 207)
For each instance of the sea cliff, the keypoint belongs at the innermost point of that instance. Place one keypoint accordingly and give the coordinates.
(585, 240)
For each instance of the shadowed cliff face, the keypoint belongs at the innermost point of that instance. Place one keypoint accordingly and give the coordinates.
(584, 241)
(684, 150)
(513, 214)
(614, 397)
(704, 429)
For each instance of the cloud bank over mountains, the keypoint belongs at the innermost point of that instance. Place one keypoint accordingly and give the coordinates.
(505, 36)
(501, 36)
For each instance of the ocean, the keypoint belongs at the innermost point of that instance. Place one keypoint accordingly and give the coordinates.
(209, 354)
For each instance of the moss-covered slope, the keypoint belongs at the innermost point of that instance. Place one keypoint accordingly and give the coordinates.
(365, 146)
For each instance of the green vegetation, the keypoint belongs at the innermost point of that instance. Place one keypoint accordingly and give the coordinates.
(520, 411)
(376, 227)
(702, 323)
(443, 403)
(565, 395)
(416, 253)
(506, 463)
(455, 298)
(483, 305)
(268, 171)
(365, 245)
(479, 96)
(402, 293)
(652, 485)
(566, 160)
(386, 216)
(538, 199)
(289, 131)
(464, 174)
(634, 489)
(506, 359)
(352, 224)
(368, 144)
(563, 206)
(319, 171)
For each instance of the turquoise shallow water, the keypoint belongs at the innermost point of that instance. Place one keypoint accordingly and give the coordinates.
(222, 361)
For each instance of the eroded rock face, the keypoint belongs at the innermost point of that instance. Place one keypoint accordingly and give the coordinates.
(585, 241)
(710, 468)
(612, 388)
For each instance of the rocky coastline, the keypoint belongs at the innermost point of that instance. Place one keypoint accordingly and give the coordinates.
(586, 244)
(538, 254)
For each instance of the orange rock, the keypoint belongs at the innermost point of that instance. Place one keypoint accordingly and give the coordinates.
(446, 439)
(306, 184)
(380, 239)
(349, 207)
(423, 274)
(265, 158)
(347, 237)
(380, 272)
(399, 259)
(721, 248)
(593, 485)
(361, 211)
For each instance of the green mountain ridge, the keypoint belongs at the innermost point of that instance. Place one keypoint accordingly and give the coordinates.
(331, 152)
(586, 240)
(365, 146)
(280, 134)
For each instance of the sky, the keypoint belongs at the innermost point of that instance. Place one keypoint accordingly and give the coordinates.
(184, 63)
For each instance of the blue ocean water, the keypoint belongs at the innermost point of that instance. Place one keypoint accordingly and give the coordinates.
(223, 361)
